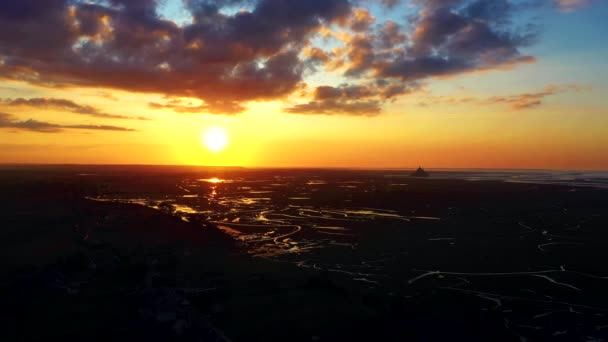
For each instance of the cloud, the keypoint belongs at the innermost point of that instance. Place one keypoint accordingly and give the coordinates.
(361, 20)
(446, 39)
(334, 107)
(5, 117)
(516, 102)
(7, 121)
(455, 37)
(63, 105)
(571, 5)
(390, 35)
(219, 58)
(106, 95)
(264, 51)
(390, 3)
(534, 99)
(355, 100)
(218, 107)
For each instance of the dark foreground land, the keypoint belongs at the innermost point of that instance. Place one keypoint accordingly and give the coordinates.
(505, 262)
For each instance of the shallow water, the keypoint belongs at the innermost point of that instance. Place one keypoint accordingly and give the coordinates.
(596, 179)
(525, 260)
(263, 213)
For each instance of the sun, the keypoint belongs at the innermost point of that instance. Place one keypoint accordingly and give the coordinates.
(215, 139)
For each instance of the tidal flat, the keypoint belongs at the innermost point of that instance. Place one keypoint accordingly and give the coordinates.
(190, 254)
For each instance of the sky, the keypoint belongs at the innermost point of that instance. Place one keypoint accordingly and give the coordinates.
(508, 84)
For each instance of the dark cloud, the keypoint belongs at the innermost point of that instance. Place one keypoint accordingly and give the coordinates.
(361, 55)
(457, 36)
(391, 35)
(333, 107)
(445, 38)
(343, 100)
(63, 105)
(226, 57)
(361, 20)
(316, 57)
(382, 90)
(8, 121)
(356, 100)
(99, 127)
(495, 11)
(5, 117)
(219, 58)
(390, 3)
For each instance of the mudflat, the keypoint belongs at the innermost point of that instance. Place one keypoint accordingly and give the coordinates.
(160, 253)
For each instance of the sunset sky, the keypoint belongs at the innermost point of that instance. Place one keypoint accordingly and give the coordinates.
(306, 83)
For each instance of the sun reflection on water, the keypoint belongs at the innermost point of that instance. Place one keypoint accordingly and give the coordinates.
(213, 180)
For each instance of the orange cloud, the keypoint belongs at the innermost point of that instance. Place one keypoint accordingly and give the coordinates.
(64, 105)
(516, 102)
(571, 5)
(7, 121)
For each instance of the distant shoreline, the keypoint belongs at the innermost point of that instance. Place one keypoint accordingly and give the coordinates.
(573, 178)
(304, 168)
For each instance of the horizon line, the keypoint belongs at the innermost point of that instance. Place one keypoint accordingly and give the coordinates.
(359, 168)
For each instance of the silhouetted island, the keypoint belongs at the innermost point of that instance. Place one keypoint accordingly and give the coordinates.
(420, 173)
